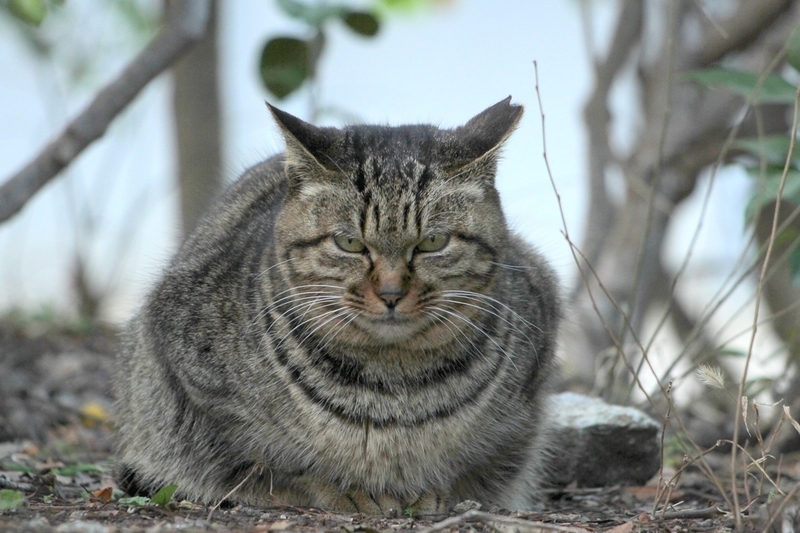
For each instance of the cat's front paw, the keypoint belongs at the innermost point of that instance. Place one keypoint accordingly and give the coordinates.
(385, 504)
(359, 501)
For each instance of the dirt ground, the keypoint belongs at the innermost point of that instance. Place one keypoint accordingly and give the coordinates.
(56, 420)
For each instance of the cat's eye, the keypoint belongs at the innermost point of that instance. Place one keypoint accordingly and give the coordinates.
(433, 243)
(349, 244)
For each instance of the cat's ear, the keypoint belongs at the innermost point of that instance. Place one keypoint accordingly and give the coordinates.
(485, 132)
(307, 146)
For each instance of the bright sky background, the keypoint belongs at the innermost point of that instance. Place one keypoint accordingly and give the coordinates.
(441, 66)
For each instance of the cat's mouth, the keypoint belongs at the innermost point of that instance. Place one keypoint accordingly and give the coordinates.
(390, 326)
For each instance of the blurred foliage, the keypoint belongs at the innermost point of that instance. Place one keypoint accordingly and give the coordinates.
(31, 12)
(769, 162)
(45, 25)
(288, 61)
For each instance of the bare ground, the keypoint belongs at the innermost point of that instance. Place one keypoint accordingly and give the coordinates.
(56, 419)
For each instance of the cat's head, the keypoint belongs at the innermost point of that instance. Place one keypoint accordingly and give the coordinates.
(392, 234)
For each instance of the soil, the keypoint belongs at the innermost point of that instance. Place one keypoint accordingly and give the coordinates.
(56, 431)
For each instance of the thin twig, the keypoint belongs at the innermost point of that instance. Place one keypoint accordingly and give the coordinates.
(709, 512)
(759, 291)
(490, 519)
(257, 466)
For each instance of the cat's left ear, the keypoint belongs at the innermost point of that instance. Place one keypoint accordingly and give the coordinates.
(307, 146)
(485, 133)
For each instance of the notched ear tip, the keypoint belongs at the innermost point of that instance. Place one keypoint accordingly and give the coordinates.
(486, 131)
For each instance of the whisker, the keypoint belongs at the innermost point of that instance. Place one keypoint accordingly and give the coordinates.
(476, 328)
(446, 322)
(517, 268)
(332, 333)
(492, 311)
(479, 296)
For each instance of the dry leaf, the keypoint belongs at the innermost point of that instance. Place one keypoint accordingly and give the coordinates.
(744, 413)
(102, 495)
(794, 422)
(627, 527)
(93, 414)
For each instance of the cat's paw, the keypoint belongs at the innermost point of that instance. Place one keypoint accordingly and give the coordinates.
(359, 501)
(428, 503)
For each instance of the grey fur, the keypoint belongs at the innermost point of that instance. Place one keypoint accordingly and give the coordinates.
(271, 358)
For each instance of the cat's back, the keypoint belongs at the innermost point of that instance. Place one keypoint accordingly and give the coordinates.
(247, 208)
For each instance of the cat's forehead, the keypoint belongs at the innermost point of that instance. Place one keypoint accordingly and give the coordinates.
(392, 146)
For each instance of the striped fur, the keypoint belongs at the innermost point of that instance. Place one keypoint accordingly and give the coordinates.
(272, 359)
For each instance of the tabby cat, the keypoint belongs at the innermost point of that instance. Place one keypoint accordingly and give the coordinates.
(352, 327)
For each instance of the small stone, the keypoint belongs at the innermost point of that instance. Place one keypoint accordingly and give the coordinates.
(83, 526)
(597, 444)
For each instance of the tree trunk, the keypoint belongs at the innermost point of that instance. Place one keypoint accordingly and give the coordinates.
(197, 125)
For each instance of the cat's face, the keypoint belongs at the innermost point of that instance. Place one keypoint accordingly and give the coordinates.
(390, 235)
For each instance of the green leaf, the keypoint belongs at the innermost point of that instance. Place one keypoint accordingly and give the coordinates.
(71, 470)
(164, 495)
(793, 48)
(362, 23)
(775, 90)
(767, 190)
(135, 500)
(284, 65)
(30, 11)
(11, 499)
(9, 465)
(314, 15)
(404, 5)
(774, 149)
(731, 352)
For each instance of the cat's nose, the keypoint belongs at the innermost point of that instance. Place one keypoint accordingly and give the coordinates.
(391, 295)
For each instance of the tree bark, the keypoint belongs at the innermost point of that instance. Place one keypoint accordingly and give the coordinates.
(197, 120)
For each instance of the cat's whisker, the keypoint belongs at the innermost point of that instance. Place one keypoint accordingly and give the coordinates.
(484, 297)
(337, 313)
(516, 268)
(332, 333)
(446, 322)
(492, 311)
(302, 320)
(486, 304)
(266, 270)
(458, 315)
(317, 295)
(307, 286)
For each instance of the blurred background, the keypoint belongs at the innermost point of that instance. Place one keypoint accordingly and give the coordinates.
(648, 182)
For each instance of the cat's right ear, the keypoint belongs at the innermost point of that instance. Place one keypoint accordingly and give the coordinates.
(309, 148)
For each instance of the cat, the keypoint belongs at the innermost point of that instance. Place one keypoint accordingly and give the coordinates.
(352, 326)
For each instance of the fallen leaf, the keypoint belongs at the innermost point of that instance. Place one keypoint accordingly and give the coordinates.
(93, 414)
(102, 495)
(627, 527)
(11, 499)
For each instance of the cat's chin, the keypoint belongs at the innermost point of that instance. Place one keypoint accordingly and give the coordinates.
(391, 329)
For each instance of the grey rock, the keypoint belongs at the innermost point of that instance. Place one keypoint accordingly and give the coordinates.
(597, 444)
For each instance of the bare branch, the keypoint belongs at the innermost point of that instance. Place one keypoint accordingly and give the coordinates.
(740, 30)
(596, 116)
(186, 23)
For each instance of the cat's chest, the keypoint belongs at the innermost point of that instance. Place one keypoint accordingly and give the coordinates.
(389, 455)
